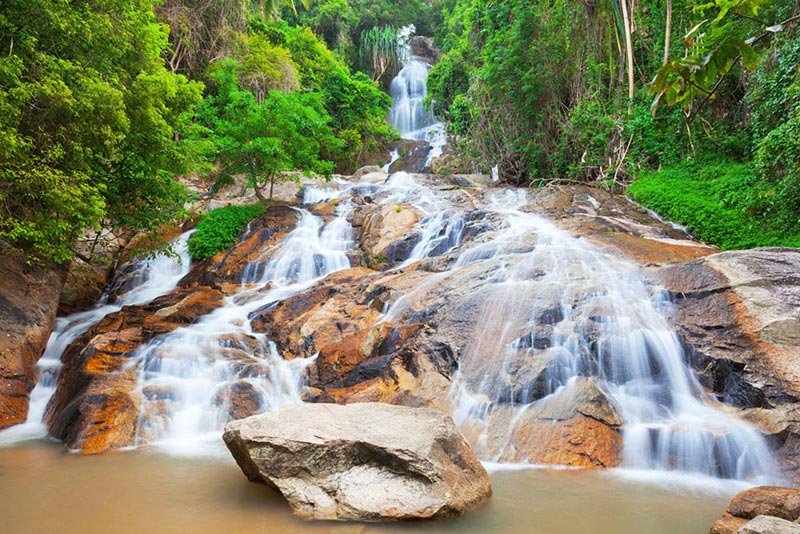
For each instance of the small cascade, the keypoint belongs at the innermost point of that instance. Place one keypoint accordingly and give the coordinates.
(150, 278)
(409, 114)
(562, 305)
(197, 378)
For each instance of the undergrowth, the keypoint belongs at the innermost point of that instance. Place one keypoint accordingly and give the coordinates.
(716, 201)
(220, 228)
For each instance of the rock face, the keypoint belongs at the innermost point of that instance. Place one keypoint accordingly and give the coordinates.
(577, 427)
(361, 462)
(422, 47)
(96, 406)
(413, 157)
(28, 304)
(738, 313)
(226, 270)
(761, 510)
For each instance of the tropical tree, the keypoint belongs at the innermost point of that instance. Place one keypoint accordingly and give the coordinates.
(268, 140)
(93, 127)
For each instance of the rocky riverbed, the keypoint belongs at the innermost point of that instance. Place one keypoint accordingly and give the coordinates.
(499, 306)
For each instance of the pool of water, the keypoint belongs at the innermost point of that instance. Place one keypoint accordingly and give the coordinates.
(43, 489)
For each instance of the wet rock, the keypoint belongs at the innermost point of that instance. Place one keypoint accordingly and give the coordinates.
(422, 48)
(363, 171)
(738, 314)
(240, 399)
(96, 405)
(83, 287)
(617, 221)
(387, 235)
(577, 427)
(361, 462)
(413, 157)
(228, 269)
(774, 507)
(727, 524)
(375, 178)
(28, 303)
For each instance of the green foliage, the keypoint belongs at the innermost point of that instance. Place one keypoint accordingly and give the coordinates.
(265, 140)
(777, 195)
(715, 201)
(357, 107)
(262, 67)
(93, 126)
(380, 48)
(220, 228)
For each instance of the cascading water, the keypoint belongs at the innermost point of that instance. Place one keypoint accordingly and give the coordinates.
(192, 378)
(150, 278)
(578, 311)
(408, 91)
(548, 301)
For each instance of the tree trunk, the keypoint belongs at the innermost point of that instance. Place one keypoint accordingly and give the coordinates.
(259, 194)
(271, 186)
(626, 21)
(668, 32)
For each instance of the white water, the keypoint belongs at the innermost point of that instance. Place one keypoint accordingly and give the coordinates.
(548, 295)
(152, 277)
(409, 114)
(588, 313)
(189, 377)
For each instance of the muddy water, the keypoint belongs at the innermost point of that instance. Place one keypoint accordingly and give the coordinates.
(44, 490)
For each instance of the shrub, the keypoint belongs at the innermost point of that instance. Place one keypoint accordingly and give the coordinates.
(220, 228)
(714, 200)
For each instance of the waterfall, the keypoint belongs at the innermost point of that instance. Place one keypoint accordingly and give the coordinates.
(553, 310)
(150, 277)
(192, 379)
(409, 114)
(582, 312)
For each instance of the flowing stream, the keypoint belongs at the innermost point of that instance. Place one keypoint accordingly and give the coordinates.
(409, 114)
(550, 301)
(149, 279)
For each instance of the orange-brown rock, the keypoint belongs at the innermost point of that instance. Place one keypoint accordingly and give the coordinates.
(240, 399)
(96, 405)
(771, 501)
(577, 427)
(614, 220)
(28, 304)
(225, 271)
(577, 442)
(727, 524)
(767, 500)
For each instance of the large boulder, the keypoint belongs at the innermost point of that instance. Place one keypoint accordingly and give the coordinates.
(781, 505)
(28, 304)
(361, 462)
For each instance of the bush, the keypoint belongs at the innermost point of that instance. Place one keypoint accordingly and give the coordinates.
(714, 200)
(220, 228)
